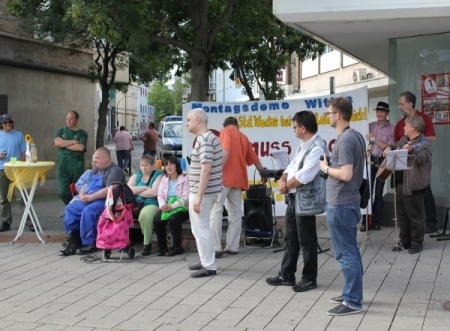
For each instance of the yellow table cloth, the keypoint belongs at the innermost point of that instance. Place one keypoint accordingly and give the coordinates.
(22, 174)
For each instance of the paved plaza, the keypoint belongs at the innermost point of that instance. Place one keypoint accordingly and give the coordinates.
(40, 290)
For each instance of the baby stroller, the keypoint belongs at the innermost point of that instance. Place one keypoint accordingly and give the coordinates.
(114, 223)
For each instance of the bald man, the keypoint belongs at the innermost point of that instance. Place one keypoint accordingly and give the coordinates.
(82, 214)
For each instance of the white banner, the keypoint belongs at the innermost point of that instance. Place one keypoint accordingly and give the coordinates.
(268, 125)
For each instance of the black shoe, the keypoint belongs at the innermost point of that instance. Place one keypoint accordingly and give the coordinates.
(363, 228)
(415, 249)
(87, 249)
(147, 250)
(219, 255)
(197, 266)
(230, 252)
(5, 227)
(430, 229)
(203, 273)
(31, 227)
(376, 227)
(304, 285)
(399, 247)
(162, 251)
(276, 281)
(175, 251)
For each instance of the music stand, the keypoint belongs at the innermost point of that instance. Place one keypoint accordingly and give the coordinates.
(397, 162)
(366, 241)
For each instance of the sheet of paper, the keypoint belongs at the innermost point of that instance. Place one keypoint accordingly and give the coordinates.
(281, 157)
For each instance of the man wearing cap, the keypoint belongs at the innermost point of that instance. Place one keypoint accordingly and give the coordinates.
(381, 135)
(238, 153)
(12, 144)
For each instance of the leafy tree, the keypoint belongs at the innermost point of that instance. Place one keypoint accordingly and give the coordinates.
(107, 26)
(264, 47)
(191, 26)
(161, 97)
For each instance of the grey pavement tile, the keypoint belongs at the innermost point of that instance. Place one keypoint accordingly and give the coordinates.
(255, 320)
(60, 319)
(106, 323)
(412, 309)
(97, 312)
(277, 326)
(118, 300)
(140, 325)
(228, 294)
(164, 303)
(288, 317)
(213, 306)
(407, 323)
(78, 328)
(196, 299)
(50, 328)
(180, 327)
(200, 318)
(148, 296)
(23, 326)
(245, 301)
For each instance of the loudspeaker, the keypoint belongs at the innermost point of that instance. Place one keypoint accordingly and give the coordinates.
(258, 215)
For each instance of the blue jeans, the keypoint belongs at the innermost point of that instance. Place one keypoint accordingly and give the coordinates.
(342, 221)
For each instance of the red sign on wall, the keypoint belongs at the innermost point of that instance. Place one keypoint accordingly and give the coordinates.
(436, 97)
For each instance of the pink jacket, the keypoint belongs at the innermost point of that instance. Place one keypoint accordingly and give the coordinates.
(182, 191)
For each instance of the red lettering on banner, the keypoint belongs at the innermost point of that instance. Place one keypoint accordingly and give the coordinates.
(263, 149)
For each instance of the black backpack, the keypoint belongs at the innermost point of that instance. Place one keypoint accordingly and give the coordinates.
(73, 242)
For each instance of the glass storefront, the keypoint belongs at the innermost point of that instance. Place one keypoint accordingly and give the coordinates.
(411, 59)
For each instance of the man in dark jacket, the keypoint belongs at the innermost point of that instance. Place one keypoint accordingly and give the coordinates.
(410, 185)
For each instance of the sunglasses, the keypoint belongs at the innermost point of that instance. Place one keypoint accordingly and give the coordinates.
(7, 122)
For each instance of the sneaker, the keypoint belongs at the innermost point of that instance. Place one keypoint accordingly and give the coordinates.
(175, 251)
(304, 285)
(415, 249)
(203, 273)
(278, 280)
(343, 310)
(197, 266)
(338, 299)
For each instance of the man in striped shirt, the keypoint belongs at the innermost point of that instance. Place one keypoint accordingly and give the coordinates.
(205, 185)
(381, 135)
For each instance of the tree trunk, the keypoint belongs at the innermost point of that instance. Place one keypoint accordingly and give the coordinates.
(199, 78)
(102, 113)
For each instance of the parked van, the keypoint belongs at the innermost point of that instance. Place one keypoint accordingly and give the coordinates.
(170, 137)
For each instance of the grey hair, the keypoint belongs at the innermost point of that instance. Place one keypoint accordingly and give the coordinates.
(200, 113)
(416, 122)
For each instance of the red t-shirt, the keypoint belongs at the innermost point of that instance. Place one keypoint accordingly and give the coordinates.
(429, 128)
(241, 155)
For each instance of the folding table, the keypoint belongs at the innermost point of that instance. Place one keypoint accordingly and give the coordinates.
(25, 177)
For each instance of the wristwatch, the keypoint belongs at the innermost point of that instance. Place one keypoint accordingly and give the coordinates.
(325, 171)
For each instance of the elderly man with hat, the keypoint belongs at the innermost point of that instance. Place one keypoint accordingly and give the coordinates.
(12, 144)
(381, 135)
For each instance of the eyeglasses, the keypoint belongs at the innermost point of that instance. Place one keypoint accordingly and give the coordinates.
(7, 122)
(331, 112)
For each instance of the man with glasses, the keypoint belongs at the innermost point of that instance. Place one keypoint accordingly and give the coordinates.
(407, 104)
(345, 175)
(300, 230)
(12, 144)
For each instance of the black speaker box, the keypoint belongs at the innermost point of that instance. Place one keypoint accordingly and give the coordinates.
(258, 215)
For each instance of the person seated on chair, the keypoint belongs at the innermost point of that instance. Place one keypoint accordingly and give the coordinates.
(82, 214)
(84, 180)
(173, 194)
(300, 230)
(145, 184)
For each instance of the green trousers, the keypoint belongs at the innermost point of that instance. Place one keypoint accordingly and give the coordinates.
(145, 219)
(68, 171)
